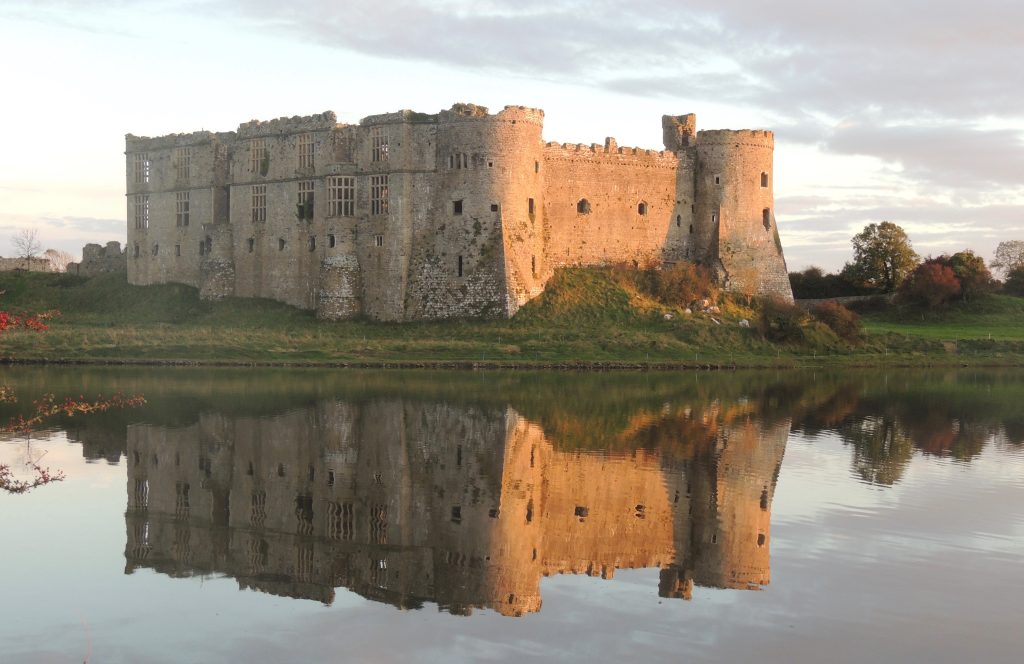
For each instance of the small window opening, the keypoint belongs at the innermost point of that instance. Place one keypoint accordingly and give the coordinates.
(177, 250)
(209, 244)
(714, 218)
(583, 206)
(202, 247)
(251, 242)
(530, 206)
(691, 229)
(330, 478)
(766, 218)
(458, 455)
(280, 244)
(533, 265)
(331, 242)
(679, 220)
(312, 243)
(764, 180)
(718, 179)
(493, 513)
(490, 164)
(761, 539)
(136, 251)
(451, 161)
(581, 511)
(460, 266)
(536, 167)
(250, 470)
(456, 514)
(714, 538)
(641, 209)
(494, 207)
(764, 499)
(529, 511)
(312, 473)
(378, 240)
(457, 207)
(156, 249)
(280, 470)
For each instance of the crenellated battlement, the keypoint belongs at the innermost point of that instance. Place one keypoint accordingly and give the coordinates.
(135, 143)
(748, 137)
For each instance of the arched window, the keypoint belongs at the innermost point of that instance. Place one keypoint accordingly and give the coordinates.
(764, 180)
(280, 244)
(583, 207)
(766, 218)
(641, 209)
(679, 220)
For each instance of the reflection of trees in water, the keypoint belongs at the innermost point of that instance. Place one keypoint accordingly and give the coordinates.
(881, 450)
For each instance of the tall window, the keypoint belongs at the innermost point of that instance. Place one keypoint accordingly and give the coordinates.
(378, 194)
(764, 180)
(259, 156)
(259, 203)
(141, 166)
(379, 142)
(181, 201)
(341, 196)
(183, 163)
(142, 211)
(305, 201)
(306, 151)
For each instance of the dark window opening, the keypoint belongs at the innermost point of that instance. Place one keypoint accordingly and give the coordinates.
(331, 242)
(177, 250)
(490, 164)
(533, 265)
(209, 244)
(456, 514)
(536, 167)
(312, 243)
(156, 249)
(718, 179)
(766, 218)
(280, 470)
(304, 508)
(679, 220)
(494, 207)
(280, 244)
(764, 500)
(641, 209)
(530, 206)
(493, 513)
(583, 206)
(760, 539)
(764, 180)
(312, 473)
(458, 455)
(581, 511)
(330, 478)
(250, 470)
(460, 266)
(457, 207)
(202, 247)
(529, 511)
(252, 244)
(136, 252)
(691, 229)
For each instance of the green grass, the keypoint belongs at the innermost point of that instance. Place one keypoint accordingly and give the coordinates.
(997, 317)
(584, 316)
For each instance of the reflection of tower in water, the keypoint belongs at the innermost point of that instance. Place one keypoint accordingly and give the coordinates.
(407, 502)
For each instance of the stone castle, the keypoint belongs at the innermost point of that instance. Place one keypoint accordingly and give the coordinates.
(410, 216)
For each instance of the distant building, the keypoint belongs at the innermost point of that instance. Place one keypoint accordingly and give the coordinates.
(100, 260)
(410, 216)
(33, 264)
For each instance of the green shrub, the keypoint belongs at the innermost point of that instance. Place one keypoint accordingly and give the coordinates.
(845, 323)
(782, 322)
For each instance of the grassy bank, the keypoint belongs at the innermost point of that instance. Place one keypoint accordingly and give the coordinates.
(585, 316)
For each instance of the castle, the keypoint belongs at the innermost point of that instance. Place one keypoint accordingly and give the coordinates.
(410, 216)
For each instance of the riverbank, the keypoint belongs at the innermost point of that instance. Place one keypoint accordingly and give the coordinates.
(587, 319)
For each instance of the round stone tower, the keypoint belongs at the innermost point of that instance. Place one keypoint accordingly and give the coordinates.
(735, 212)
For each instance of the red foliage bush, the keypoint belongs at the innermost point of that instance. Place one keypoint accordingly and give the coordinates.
(932, 283)
(845, 323)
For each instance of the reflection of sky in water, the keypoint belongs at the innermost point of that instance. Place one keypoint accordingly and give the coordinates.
(928, 569)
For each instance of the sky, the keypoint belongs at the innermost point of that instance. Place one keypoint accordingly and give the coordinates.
(907, 111)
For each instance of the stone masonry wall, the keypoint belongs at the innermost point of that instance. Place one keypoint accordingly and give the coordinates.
(100, 260)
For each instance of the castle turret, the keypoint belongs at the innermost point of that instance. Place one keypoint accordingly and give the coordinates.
(734, 212)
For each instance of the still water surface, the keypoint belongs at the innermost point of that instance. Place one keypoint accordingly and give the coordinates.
(300, 516)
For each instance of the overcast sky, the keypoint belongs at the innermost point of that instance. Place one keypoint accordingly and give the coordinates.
(907, 111)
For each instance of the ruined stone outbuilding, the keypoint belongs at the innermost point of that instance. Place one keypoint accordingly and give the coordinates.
(410, 216)
(100, 260)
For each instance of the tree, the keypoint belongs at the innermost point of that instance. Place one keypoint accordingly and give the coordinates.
(932, 283)
(882, 257)
(1014, 284)
(969, 268)
(26, 244)
(1009, 256)
(59, 260)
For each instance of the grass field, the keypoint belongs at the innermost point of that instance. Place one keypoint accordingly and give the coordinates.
(584, 316)
(998, 317)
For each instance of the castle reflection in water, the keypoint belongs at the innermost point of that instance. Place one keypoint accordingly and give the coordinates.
(406, 501)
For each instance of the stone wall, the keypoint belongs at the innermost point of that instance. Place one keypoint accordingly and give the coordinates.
(28, 264)
(98, 259)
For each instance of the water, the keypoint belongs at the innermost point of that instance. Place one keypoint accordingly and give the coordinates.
(296, 516)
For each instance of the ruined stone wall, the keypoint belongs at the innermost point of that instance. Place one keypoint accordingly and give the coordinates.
(735, 203)
(100, 260)
(164, 249)
(610, 184)
(30, 265)
(277, 254)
